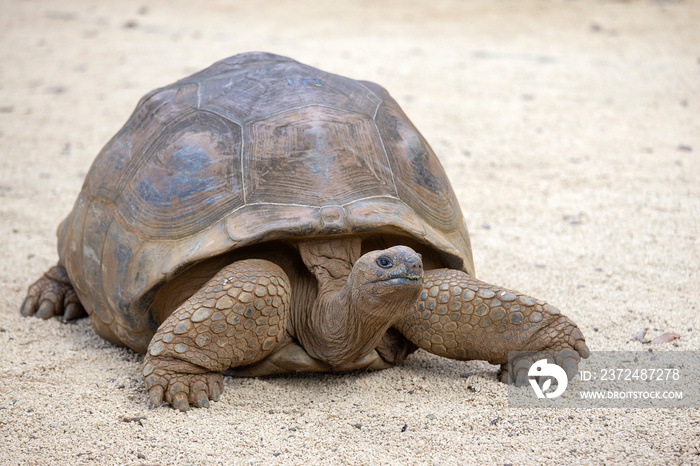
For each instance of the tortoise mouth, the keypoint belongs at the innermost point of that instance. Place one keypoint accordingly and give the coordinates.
(401, 279)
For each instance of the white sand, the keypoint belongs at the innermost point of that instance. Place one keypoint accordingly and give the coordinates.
(570, 131)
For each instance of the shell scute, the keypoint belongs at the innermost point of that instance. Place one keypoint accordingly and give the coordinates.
(420, 178)
(113, 167)
(186, 178)
(280, 85)
(303, 157)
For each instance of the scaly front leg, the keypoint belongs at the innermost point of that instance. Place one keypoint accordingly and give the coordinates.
(459, 317)
(237, 318)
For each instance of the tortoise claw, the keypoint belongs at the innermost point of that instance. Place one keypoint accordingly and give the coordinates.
(569, 362)
(582, 348)
(73, 311)
(215, 389)
(180, 401)
(155, 394)
(521, 377)
(202, 400)
(29, 305)
(47, 309)
(198, 394)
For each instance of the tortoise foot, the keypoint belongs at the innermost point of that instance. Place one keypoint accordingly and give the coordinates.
(560, 342)
(53, 295)
(515, 371)
(168, 380)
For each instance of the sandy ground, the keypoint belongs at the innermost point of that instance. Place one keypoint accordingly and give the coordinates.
(570, 131)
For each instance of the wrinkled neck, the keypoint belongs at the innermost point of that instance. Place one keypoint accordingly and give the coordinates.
(344, 325)
(347, 319)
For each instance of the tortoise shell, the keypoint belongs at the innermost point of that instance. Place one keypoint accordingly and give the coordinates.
(255, 148)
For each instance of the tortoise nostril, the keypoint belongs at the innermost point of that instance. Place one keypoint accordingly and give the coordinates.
(415, 267)
(416, 264)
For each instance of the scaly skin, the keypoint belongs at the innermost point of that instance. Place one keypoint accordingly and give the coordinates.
(51, 295)
(459, 317)
(236, 319)
(240, 317)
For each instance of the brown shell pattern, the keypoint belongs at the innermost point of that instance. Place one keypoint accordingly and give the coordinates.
(254, 147)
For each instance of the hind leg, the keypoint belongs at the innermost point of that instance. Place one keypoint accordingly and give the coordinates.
(52, 295)
(237, 318)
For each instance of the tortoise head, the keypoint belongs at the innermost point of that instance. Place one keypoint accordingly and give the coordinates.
(387, 281)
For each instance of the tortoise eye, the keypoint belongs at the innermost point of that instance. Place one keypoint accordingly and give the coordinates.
(384, 262)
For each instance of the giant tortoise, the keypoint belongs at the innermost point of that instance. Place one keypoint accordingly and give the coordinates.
(263, 216)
